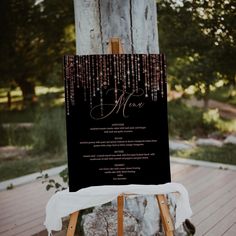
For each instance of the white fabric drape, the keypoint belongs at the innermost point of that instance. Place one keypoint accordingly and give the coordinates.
(64, 202)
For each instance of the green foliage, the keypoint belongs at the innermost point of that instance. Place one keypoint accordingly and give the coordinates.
(12, 131)
(226, 126)
(16, 136)
(51, 183)
(187, 122)
(184, 122)
(225, 94)
(10, 186)
(34, 36)
(211, 119)
(198, 38)
(64, 175)
(49, 131)
(18, 127)
(211, 116)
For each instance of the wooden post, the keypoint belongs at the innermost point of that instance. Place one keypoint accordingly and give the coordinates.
(120, 215)
(72, 224)
(114, 46)
(165, 215)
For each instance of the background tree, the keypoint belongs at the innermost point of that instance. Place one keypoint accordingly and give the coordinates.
(199, 40)
(34, 36)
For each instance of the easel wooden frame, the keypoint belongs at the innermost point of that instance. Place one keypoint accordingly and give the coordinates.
(115, 47)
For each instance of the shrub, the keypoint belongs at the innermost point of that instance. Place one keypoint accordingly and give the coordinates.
(187, 122)
(184, 122)
(15, 135)
(211, 118)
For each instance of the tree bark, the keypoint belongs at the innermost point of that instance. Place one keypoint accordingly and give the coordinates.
(133, 21)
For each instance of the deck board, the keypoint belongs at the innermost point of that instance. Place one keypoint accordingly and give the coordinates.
(225, 226)
(209, 221)
(212, 195)
(231, 231)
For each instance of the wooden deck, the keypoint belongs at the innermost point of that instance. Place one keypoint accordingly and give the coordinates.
(212, 196)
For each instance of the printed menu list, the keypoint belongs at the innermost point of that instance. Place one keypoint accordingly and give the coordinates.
(116, 120)
(119, 149)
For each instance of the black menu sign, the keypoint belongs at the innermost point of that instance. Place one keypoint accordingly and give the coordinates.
(116, 111)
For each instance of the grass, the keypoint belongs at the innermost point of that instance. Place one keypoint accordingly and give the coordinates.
(16, 136)
(46, 97)
(18, 167)
(17, 116)
(225, 154)
(45, 138)
(47, 130)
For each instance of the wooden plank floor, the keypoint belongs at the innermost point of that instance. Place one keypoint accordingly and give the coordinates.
(212, 196)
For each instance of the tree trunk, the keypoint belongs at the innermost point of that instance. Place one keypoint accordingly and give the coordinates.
(9, 99)
(28, 92)
(206, 97)
(135, 23)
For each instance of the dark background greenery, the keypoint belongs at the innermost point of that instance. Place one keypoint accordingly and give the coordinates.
(198, 38)
(34, 37)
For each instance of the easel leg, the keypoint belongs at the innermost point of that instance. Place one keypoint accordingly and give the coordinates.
(165, 215)
(120, 207)
(72, 224)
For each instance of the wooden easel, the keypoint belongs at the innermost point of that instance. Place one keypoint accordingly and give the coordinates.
(115, 47)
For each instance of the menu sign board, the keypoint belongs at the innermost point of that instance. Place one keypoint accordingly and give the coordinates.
(116, 113)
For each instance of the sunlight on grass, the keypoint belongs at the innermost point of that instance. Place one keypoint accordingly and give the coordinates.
(40, 90)
(16, 95)
(16, 99)
(59, 101)
(3, 99)
(16, 92)
(3, 92)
